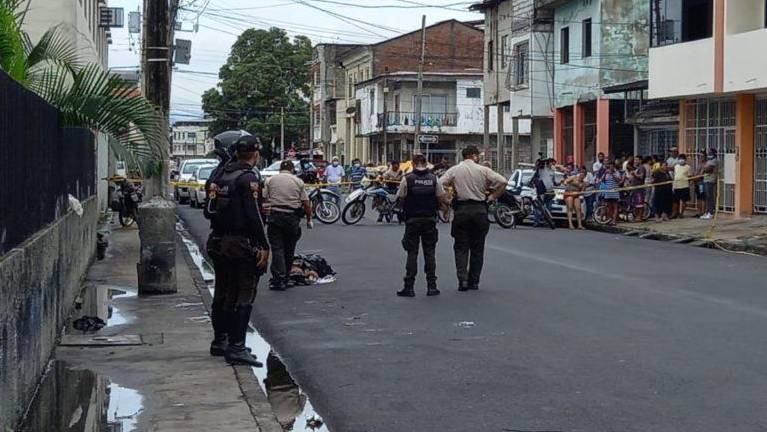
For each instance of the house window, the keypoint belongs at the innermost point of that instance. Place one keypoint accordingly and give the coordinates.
(504, 51)
(490, 56)
(586, 32)
(521, 61)
(675, 21)
(564, 45)
(372, 102)
(473, 93)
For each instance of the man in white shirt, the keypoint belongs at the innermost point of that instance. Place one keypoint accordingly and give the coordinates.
(334, 175)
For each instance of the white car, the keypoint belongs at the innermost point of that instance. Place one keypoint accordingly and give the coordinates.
(197, 194)
(520, 181)
(186, 171)
(274, 169)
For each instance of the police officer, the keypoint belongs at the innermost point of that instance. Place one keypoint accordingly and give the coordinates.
(239, 250)
(421, 195)
(472, 184)
(287, 202)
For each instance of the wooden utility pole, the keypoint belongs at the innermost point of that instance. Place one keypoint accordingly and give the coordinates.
(419, 96)
(282, 133)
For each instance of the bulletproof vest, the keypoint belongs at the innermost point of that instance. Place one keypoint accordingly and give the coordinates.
(228, 204)
(421, 199)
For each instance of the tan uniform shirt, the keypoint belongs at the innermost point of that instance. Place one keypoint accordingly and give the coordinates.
(284, 191)
(470, 180)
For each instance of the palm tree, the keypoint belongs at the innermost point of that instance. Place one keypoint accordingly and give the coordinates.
(86, 95)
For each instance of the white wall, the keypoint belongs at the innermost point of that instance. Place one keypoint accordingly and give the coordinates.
(525, 125)
(471, 111)
(744, 67)
(744, 15)
(684, 69)
(368, 121)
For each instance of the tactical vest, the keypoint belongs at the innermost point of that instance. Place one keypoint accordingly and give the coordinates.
(228, 203)
(421, 199)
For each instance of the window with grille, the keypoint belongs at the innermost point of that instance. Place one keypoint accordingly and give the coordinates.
(586, 32)
(521, 64)
(564, 45)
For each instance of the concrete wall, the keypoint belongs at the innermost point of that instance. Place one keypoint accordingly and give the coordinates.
(744, 69)
(744, 15)
(579, 78)
(682, 69)
(498, 22)
(38, 284)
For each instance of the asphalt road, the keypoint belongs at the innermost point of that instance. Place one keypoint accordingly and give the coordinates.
(572, 331)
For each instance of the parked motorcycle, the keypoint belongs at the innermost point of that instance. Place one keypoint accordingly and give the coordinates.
(383, 202)
(324, 205)
(508, 210)
(126, 200)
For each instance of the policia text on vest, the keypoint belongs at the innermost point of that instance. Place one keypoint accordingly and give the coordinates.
(474, 186)
(238, 248)
(421, 195)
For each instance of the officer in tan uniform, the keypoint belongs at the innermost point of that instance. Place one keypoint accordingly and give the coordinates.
(287, 203)
(471, 183)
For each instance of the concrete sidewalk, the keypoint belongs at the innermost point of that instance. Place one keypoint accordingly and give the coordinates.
(734, 234)
(181, 387)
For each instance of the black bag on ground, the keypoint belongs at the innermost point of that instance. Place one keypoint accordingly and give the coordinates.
(306, 269)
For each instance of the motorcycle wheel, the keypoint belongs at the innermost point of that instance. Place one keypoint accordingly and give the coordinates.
(546, 213)
(327, 212)
(491, 213)
(353, 212)
(505, 216)
(126, 218)
(600, 215)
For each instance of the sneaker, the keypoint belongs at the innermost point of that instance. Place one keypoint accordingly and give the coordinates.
(707, 216)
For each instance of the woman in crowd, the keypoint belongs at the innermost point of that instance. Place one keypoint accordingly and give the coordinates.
(663, 195)
(700, 188)
(611, 179)
(638, 197)
(574, 185)
(681, 186)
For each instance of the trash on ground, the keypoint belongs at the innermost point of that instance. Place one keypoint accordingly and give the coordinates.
(311, 269)
(88, 323)
(466, 324)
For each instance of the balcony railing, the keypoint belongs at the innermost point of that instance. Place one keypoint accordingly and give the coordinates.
(405, 119)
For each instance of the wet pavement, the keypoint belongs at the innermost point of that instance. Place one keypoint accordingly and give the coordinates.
(80, 400)
(570, 331)
(290, 404)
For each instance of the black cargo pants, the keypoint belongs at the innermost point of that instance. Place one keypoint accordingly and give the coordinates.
(284, 231)
(470, 228)
(420, 231)
(234, 261)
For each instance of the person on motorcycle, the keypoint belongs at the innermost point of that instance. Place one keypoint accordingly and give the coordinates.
(390, 181)
(421, 195)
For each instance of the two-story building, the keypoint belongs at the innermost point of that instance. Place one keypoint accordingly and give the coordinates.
(598, 45)
(518, 79)
(451, 110)
(190, 139)
(452, 48)
(707, 54)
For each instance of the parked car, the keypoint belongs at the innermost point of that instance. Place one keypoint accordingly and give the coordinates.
(197, 195)
(274, 169)
(187, 169)
(520, 181)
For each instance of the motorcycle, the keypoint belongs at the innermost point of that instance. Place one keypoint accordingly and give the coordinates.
(384, 202)
(508, 210)
(324, 205)
(127, 198)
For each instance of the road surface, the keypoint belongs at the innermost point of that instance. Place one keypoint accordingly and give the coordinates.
(570, 331)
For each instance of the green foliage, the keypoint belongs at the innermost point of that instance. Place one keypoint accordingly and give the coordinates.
(265, 71)
(86, 96)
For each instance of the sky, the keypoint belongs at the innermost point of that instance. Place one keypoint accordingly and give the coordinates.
(220, 21)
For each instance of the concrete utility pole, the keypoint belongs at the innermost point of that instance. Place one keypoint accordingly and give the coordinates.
(385, 118)
(157, 217)
(419, 96)
(282, 133)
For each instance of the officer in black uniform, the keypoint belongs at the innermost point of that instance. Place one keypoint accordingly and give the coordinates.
(239, 250)
(421, 195)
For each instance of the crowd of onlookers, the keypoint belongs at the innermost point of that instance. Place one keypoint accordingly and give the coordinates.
(657, 188)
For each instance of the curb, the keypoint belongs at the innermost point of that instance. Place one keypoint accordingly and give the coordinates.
(259, 406)
(648, 234)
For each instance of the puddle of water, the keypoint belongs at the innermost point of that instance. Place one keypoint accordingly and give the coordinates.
(290, 404)
(99, 301)
(79, 400)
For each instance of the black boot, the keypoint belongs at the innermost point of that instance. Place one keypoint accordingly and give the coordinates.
(431, 288)
(278, 285)
(407, 291)
(463, 286)
(219, 319)
(236, 353)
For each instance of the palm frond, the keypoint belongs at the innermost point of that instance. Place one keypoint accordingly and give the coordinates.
(12, 55)
(53, 48)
